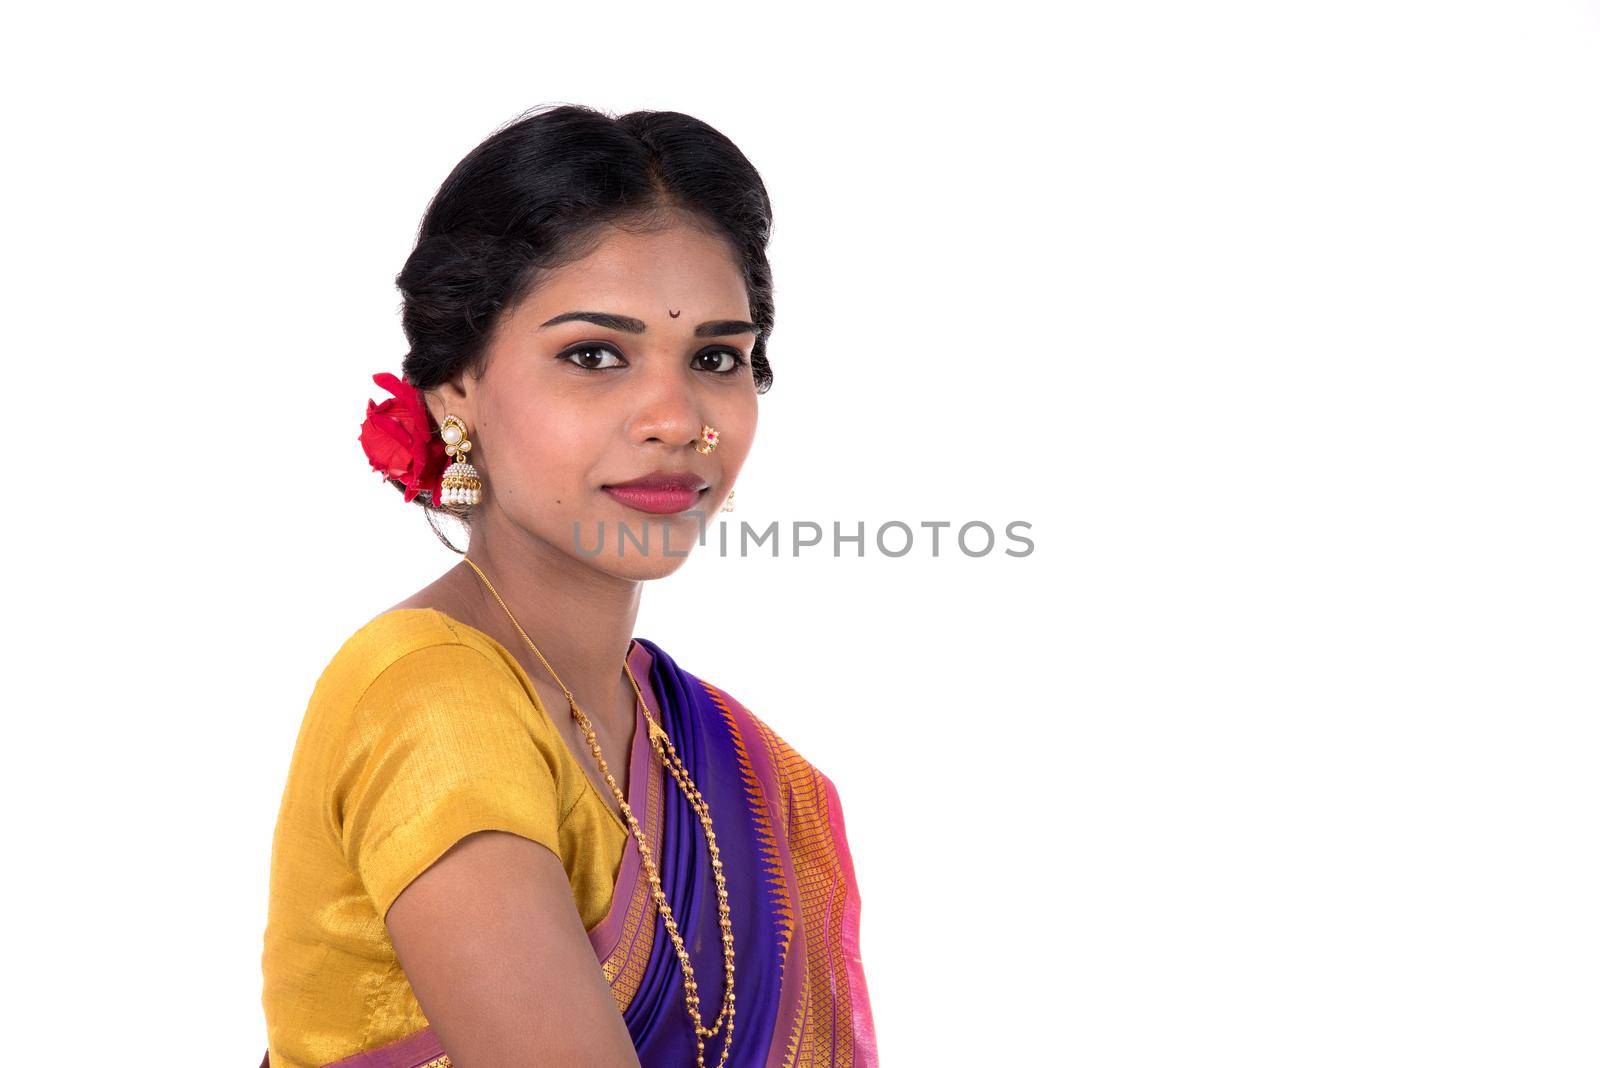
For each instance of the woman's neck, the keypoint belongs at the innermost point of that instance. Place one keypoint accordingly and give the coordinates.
(580, 618)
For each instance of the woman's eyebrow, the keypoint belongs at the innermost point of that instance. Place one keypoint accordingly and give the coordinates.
(724, 327)
(628, 324)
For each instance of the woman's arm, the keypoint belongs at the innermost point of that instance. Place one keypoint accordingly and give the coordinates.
(494, 948)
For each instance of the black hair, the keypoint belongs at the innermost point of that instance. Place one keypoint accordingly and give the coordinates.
(540, 192)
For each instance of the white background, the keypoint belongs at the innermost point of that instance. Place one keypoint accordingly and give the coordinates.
(1277, 321)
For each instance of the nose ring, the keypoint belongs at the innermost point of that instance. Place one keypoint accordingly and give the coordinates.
(708, 440)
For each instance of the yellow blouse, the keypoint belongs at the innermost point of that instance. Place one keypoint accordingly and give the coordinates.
(420, 731)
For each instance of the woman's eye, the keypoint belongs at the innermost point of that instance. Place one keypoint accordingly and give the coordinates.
(592, 357)
(720, 361)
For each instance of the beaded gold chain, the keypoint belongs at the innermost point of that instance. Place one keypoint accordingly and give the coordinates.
(680, 774)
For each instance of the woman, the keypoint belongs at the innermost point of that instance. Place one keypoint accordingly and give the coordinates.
(513, 833)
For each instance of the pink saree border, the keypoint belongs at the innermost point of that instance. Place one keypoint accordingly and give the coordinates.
(413, 1051)
(606, 935)
(866, 1036)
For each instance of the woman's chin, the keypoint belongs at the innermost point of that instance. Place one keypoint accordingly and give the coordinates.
(636, 567)
(637, 544)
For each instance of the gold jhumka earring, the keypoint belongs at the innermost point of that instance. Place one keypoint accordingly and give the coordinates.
(461, 483)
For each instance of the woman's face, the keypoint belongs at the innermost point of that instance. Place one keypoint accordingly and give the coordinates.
(603, 376)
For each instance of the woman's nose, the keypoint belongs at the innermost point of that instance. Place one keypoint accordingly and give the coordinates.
(667, 413)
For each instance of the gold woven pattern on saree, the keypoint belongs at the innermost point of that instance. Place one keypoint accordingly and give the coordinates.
(823, 1034)
(777, 885)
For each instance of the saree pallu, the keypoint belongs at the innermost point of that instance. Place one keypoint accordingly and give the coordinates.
(800, 992)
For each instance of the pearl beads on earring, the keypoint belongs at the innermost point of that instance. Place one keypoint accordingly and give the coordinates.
(460, 484)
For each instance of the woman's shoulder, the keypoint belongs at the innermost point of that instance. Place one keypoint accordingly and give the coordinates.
(416, 677)
(789, 767)
(398, 631)
(809, 810)
(743, 718)
(414, 644)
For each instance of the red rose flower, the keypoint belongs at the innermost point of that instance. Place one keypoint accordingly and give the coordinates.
(400, 440)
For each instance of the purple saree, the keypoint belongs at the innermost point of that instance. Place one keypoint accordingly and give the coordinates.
(801, 993)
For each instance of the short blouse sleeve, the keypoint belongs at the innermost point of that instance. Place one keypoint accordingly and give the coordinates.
(443, 743)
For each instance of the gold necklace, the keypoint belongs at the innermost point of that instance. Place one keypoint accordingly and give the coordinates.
(680, 773)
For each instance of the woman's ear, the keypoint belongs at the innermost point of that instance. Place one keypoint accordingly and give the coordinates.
(448, 398)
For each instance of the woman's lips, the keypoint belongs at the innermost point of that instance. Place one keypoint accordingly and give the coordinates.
(658, 496)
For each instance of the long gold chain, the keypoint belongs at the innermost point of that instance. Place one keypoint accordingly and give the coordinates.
(680, 773)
